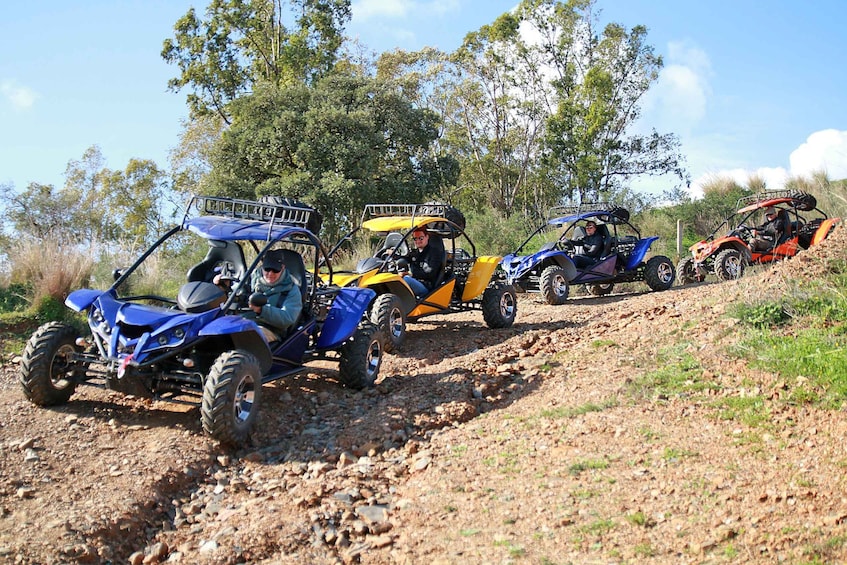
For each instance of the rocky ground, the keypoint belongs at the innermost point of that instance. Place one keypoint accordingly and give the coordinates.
(536, 444)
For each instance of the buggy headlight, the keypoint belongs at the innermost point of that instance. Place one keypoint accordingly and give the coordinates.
(163, 339)
(179, 333)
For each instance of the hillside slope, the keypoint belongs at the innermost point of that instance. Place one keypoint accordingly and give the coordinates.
(548, 442)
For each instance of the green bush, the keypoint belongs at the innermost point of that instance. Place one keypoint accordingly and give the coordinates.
(13, 298)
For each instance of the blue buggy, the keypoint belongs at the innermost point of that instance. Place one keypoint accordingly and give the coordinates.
(551, 270)
(168, 332)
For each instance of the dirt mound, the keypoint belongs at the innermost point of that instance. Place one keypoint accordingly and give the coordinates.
(541, 443)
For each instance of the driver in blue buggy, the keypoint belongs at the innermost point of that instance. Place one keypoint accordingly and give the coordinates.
(592, 246)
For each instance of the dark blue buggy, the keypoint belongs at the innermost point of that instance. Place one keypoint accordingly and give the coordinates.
(551, 270)
(160, 333)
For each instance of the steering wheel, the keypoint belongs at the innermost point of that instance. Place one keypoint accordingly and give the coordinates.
(566, 244)
(743, 231)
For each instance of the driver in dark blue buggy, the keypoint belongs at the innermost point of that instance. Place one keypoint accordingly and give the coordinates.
(591, 244)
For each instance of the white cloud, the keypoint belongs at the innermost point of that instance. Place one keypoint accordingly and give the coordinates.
(824, 150)
(21, 97)
(678, 100)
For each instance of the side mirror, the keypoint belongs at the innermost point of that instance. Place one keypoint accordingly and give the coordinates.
(116, 274)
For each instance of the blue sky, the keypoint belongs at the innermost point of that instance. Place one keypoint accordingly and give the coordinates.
(749, 86)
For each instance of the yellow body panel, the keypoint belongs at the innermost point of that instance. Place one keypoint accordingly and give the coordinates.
(479, 276)
(435, 302)
(398, 223)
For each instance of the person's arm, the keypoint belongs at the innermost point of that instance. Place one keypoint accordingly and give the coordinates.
(423, 268)
(593, 246)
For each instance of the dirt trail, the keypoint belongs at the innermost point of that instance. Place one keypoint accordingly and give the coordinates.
(534, 444)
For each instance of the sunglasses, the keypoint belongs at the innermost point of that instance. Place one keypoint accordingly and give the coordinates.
(421, 238)
(270, 270)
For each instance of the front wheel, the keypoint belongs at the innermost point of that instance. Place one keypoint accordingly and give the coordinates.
(231, 397)
(387, 315)
(659, 273)
(729, 265)
(361, 357)
(499, 306)
(48, 373)
(554, 285)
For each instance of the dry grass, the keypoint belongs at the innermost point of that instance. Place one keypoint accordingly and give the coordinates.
(50, 267)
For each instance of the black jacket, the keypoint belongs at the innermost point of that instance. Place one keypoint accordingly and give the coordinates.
(773, 229)
(425, 264)
(592, 245)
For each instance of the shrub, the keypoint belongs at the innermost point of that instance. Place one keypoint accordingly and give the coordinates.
(49, 268)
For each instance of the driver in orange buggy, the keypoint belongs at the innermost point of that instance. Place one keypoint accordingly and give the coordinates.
(768, 235)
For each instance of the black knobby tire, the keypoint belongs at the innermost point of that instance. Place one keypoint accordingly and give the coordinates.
(48, 373)
(499, 306)
(686, 272)
(804, 201)
(361, 357)
(387, 315)
(553, 284)
(443, 210)
(729, 265)
(231, 397)
(600, 289)
(659, 273)
(620, 213)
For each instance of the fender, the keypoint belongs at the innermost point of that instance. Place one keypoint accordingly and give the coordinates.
(822, 231)
(245, 334)
(344, 316)
(80, 300)
(638, 253)
(566, 263)
(517, 267)
(479, 276)
(385, 283)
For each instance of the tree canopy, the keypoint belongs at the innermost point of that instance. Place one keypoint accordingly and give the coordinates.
(240, 43)
(343, 142)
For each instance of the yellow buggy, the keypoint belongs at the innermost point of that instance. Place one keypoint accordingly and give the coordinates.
(464, 282)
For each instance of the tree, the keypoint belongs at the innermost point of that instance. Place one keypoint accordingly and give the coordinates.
(191, 160)
(244, 42)
(96, 204)
(338, 145)
(599, 80)
(497, 115)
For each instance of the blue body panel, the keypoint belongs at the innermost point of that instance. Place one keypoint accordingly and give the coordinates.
(637, 255)
(517, 266)
(344, 316)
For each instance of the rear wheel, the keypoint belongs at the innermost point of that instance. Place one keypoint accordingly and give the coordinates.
(231, 397)
(361, 357)
(686, 272)
(659, 273)
(729, 265)
(554, 285)
(48, 373)
(600, 289)
(499, 306)
(387, 315)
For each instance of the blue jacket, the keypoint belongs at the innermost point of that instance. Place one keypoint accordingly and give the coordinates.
(285, 303)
